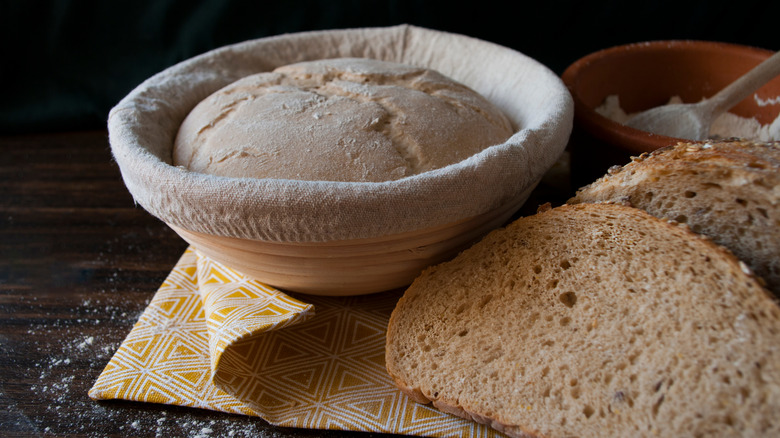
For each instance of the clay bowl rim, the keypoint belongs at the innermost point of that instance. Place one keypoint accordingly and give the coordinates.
(631, 139)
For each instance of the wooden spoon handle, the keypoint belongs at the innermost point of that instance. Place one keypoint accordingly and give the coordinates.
(751, 81)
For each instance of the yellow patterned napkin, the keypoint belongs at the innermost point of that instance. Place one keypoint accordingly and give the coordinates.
(212, 338)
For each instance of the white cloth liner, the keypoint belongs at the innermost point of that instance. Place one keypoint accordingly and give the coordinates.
(143, 125)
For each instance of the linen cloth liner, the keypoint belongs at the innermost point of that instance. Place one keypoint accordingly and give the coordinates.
(212, 338)
(143, 125)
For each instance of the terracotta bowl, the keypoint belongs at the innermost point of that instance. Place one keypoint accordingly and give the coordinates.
(645, 75)
(327, 238)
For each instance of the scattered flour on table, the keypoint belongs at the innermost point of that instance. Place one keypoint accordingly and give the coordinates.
(65, 347)
(728, 125)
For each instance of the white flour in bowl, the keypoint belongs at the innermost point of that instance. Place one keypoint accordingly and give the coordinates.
(728, 125)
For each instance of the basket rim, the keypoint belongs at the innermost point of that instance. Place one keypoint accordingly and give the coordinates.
(143, 124)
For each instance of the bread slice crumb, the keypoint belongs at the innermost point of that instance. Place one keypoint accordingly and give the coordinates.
(592, 320)
(726, 190)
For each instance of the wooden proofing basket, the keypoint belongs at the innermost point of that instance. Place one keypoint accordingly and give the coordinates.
(337, 238)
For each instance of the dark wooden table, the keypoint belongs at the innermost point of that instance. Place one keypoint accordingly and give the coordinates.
(79, 262)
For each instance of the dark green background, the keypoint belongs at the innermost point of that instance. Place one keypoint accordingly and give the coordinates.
(66, 63)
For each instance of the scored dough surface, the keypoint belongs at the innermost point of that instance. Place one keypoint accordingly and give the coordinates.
(343, 119)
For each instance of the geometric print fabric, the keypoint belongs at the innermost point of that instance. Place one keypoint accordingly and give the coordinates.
(212, 338)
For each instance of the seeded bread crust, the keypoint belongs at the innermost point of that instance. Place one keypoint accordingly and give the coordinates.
(592, 320)
(728, 191)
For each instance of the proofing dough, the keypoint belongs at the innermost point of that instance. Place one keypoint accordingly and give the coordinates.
(343, 119)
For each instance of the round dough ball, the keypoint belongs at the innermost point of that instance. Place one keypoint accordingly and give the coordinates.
(343, 119)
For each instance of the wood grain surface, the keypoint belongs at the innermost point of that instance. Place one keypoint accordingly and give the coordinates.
(79, 262)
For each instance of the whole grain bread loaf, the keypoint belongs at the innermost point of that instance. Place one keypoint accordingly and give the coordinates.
(727, 190)
(592, 320)
(340, 119)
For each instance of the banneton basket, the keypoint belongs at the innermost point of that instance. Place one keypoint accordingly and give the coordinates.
(342, 238)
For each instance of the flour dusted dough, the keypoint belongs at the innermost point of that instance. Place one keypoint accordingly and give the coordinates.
(343, 119)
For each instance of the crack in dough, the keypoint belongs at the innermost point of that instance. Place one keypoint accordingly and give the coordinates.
(342, 119)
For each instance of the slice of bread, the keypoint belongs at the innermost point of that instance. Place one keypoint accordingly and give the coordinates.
(592, 320)
(728, 191)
